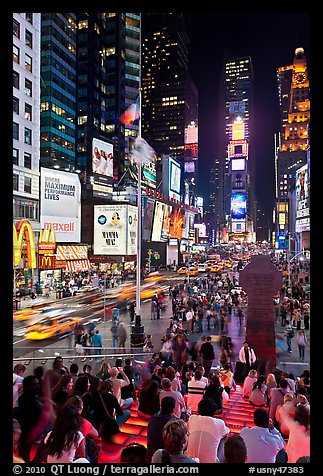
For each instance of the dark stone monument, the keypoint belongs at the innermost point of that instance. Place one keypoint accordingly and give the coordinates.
(261, 280)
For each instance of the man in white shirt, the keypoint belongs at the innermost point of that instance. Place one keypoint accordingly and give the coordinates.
(189, 320)
(206, 433)
(195, 391)
(247, 356)
(263, 441)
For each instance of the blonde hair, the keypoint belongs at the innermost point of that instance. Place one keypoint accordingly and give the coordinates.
(252, 373)
(174, 436)
(271, 379)
(288, 397)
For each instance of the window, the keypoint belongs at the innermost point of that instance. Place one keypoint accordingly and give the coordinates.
(16, 28)
(16, 54)
(28, 112)
(15, 79)
(28, 63)
(15, 156)
(27, 185)
(29, 39)
(15, 182)
(28, 136)
(15, 104)
(29, 17)
(27, 160)
(16, 130)
(28, 88)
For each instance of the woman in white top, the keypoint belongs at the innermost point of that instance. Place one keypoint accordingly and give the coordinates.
(66, 443)
(248, 383)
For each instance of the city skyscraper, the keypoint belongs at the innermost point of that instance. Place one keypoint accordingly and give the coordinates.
(26, 112)
(58, 91)
(291, 145)
(236, 102)
(170, 100)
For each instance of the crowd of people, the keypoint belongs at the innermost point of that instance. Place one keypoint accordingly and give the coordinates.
(180, 391)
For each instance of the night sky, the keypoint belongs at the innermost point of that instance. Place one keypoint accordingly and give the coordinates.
(270, 39)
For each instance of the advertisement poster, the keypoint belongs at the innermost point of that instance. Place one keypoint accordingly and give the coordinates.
(166, 222)
(148, 219)
(176, 223)
(158, 221)
(115, 229)
(60, 204)
(302, 200)
(102, 158)
(238, 205)
(174, 179)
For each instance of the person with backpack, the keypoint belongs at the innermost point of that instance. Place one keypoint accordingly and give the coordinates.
(289, 333)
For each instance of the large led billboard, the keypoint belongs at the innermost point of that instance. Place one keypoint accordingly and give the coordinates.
(115, 230)
(238, 205)
(174, 179)
(302, 200)
(60, 204)
(166, 222)
(176, 223)
(237, 164)
(158, 221)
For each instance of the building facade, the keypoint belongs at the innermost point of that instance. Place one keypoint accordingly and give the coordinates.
(26, 116)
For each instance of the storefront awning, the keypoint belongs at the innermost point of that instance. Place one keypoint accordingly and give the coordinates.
(78, 265)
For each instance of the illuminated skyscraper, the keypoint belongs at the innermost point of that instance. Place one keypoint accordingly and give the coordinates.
(237, 102)
(169, 95)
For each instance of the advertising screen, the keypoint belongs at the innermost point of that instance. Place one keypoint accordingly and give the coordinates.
(302, 196)
(148, 219)
(158, 221)
(189, 167)
(148, 168)
(238, 205)
(174, 179)
(60, 204)
(176, 223)
(201, 227)
(166, 222)
(237, 164)
(114, 228)
(102, 158)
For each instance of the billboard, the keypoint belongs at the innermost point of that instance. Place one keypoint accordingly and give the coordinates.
(102, 158)
(158, 221)
(147, 222)
(166, 222)
(60, 204)
(148, 169)
(238, 164)
(201, 227)
(302, 200)
(115, 230)
(238, 205)
(176, 223)
(174, 179)
(189, 167)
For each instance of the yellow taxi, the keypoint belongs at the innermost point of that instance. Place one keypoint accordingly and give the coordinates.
(24, 314)
(49, 328)
(227, 264)
(182, 270)
(215, 268)
(193, 271)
